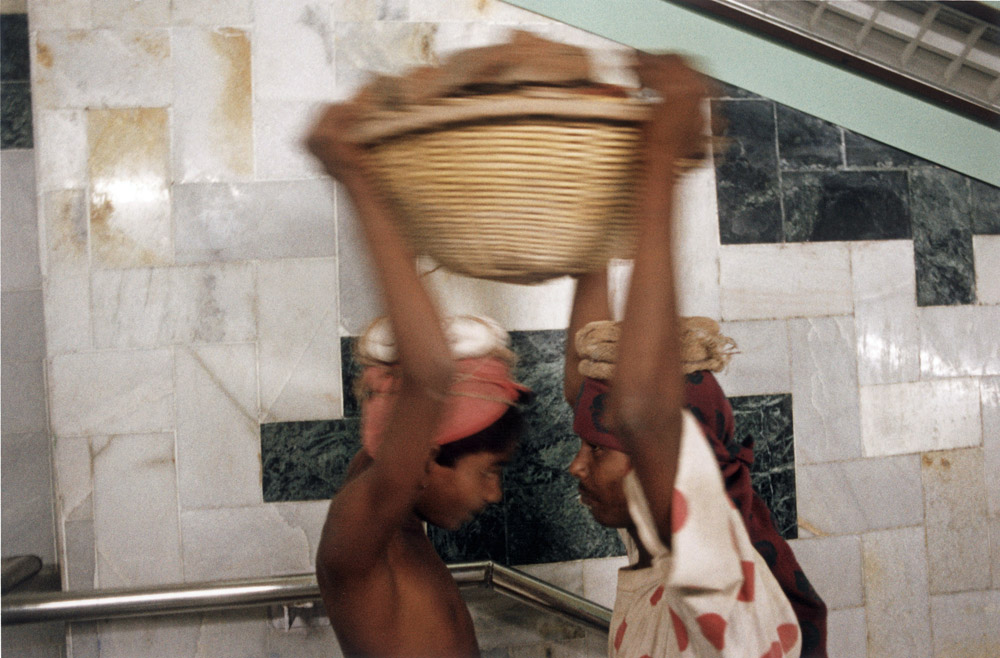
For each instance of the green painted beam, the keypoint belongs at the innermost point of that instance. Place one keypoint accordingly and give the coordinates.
(789, 77)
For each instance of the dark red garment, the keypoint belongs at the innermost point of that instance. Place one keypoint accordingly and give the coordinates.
(705, 399)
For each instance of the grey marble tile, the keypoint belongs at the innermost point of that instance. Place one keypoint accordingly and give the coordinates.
(307, 460)
(747, 176)
(26, 486)
(19, 262)
(14, 60)
(845, 205)
(942, 237)
(15, 116)
(862, 151)
(767, 421)
(985, 200)
(806, 142)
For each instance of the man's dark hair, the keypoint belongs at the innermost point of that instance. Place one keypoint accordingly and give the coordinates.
(498, 438)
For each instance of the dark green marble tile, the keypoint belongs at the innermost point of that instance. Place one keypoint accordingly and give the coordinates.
(15, 116)
(846, 205)
(863, 151)
(805, 142)
(483, 538)
(15, 63)
(942, 237)
(547, 523)
(747, 186)
(767, 420)
(985, 199)
(349, 371)
(307, 460)
(724, 90)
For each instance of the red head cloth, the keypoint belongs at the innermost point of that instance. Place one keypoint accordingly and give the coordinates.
(482, 392)
(589, 412)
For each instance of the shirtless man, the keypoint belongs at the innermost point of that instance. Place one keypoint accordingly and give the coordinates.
(385, 589)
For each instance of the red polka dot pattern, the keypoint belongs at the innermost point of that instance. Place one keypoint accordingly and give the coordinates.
(679, 631)
(620, 635)
(788, 634)
(678, 511)
(746, 592)
(713, 627)
(657, 595)
(773, 652)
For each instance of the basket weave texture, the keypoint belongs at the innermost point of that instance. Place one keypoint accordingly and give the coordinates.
(519, 198)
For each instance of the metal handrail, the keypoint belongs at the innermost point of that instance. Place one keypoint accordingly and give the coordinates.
(31, 608)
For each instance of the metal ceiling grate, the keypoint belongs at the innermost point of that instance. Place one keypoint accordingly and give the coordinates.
(948, 52)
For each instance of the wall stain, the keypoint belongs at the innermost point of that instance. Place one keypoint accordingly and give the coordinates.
(234, 105)
(43, 55)
(157, 45)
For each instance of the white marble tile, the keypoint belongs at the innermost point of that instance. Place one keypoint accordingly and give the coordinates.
(487, 11)
(279, 130)
(990, 405)
(212, 108)
(67, 287)
(503, 623)
(212, 12)
(824, 390)
(315, 642)
(218, 437)
(600, 579)
(566, 575)
(135, 511)
(360, 296)
(236, 221)
(959, 341)
(696, 245)
(847, 635)
(61, 149)
(994, 527)
(955, 511)
(233, 634)
(371, 10)
(101, 68)
(762, 363)
(96, 393)
(391, 47)
(452, 36)
(74, 472)
(129, 13)
(833, 566)
(785, 281)
(986, 256)
(22, 391)
(885, 313)
(78, 568)
(517, 308)
(129, 192)
(59, 15)
(23, 326)
(920, 416)
(163, 306)
(966, 624)
(857, 496)
(896, 598)
(67, 314)
(19, 264)
(169, 636)
(298, 344)
(26, 488)
(305, 72)
(308, 516)
(242, 542)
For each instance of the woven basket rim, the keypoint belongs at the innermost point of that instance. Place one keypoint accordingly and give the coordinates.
(553, 104)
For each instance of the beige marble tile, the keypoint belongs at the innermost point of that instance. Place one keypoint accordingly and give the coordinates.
(959, 341)
(896, 598)
(957, 535)
(885, 312)
(135, 511)
(95, 393)
(833, 566)
(242, 542)
(218, 437)
(129, 187)
(101, 68)
(212, 108)
(302, 73)
(150, 307)
(299, 345)
(129, 13)
(920, 416)
(785, 281)
(762, 363)
(212, 12)
(966, 624)
(843, 498)
(986, 253)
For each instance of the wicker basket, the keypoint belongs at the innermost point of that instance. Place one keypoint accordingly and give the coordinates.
(518, 187)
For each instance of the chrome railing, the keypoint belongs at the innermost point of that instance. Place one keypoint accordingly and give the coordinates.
(30, 608)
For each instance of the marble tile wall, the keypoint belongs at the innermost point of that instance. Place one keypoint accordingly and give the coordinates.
(201, 281)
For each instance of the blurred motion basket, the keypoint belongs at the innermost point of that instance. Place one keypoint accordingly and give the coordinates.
(521, 186)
